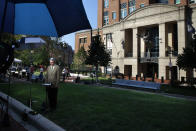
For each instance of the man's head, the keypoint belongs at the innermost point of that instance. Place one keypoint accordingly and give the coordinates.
(52, 61)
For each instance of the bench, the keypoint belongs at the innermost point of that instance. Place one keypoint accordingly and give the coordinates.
(139, 84)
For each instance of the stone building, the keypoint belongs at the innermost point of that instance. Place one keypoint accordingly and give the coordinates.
(145, 36)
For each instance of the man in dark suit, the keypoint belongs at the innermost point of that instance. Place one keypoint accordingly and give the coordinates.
(53, 77)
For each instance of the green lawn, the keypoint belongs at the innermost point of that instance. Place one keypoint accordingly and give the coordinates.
(186, 91)
(86, 108)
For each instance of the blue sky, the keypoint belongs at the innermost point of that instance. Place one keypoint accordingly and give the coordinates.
(91, 10)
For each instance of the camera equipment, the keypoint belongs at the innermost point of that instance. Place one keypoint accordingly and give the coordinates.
(6, 56)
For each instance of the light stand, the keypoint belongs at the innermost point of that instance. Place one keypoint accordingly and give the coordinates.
(6, 120)
(30, 90)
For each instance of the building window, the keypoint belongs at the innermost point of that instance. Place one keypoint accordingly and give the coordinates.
(131, 6)
(177, 1)
(106, 18)
(113, 15)
(83, 40)
(106, 3)
(141, 5)
(123, 10)
(192, 1)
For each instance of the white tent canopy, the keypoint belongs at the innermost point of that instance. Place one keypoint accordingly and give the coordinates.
(17, 60)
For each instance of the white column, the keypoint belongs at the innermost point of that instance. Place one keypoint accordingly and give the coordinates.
(134, 68)
(162, 40)
(181, 36)
(104, 39)
(162, 68)
(181, 41)
(135, 53)
(135, 42)
(142, 49)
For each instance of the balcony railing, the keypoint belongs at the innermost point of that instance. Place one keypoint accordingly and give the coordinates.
(173, 53)
(149, 54)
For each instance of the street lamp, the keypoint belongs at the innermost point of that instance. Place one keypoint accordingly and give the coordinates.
(31, 74)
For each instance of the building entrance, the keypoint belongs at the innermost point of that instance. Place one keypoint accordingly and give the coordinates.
(171, 73)
(149, 70)
(152, 70)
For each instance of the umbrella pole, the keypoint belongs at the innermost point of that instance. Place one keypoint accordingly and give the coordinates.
(6, 121)
(3, 20)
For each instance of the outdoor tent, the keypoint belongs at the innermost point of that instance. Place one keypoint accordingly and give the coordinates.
(17, 60)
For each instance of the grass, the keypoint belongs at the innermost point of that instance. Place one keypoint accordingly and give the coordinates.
(186, 91)
(86, 108)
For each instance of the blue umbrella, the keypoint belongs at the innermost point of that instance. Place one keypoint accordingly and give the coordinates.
(39, 17)
(42, 17)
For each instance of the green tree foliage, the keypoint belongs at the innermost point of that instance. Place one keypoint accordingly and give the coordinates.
(24, 55)
(80, 58)
(187, 60)
(9, 38)
(97, 54)
(39, 56)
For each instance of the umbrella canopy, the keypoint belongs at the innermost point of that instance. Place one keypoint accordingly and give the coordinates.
(42, 17)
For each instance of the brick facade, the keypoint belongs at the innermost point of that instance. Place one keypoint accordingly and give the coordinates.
(100, 13)
(85, 34)
(114, 6)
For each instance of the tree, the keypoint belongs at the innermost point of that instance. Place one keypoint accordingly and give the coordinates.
(97, 54)
(80, 58)
(9, 38)
(186, 60)
(40, 56)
